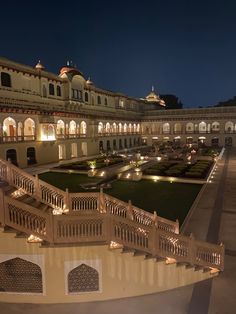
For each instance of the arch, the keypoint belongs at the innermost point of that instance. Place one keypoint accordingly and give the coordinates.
(229, 127)
(61, 151)
(72, 127)
(202, 127)
(177, 128)
(108, 145)
(84, 148)
(51, 89)
(48, 132)
(60, 128)
(125, 128)
(125, 143)
(215, 142)
(138, 128)
(215, 126)
(9, 129)
(108, 127)
(5, 79)
(44, 91)
(19, 275)
(31, 156)
(100, 128)
(114, 127)
(228, 141)
(83, 279)
(83, 128)
(114, 144)
(86, 96)
(120, 144)
(99, 100)
(101, 146)
(74, 150)
(166, 127)
(105, 101)
(120, 127)
(29, 129)
(130, 128)
(58, 90)
(11, 155)
(134, 128)
(189, 127)
(130, 142)
(20, 131)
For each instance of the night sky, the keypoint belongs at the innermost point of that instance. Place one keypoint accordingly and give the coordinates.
(186, 48)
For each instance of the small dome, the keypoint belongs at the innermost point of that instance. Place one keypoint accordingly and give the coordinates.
(70, 69)
(39, 66)
(154, 98)
(89, 82)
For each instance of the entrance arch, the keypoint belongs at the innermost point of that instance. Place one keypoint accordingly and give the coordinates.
(31, 156)
(11, 155)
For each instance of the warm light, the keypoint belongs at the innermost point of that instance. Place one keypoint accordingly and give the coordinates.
(47, 137)
(33, 239)
(158, 158)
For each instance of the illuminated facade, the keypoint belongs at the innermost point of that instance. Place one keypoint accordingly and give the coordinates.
(47, 117)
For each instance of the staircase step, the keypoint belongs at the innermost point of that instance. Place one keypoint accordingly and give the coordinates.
(160, 259)
(128, 250)
(139, 253)
(21, 235)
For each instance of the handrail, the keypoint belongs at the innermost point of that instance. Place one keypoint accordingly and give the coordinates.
(109, 220)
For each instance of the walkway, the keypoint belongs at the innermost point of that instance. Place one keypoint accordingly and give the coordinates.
(214, 220)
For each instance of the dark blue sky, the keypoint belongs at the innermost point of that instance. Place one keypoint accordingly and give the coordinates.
(182, 47)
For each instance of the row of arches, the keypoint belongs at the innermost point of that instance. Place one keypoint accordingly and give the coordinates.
(108, 145)
(25, 130)
(71, 128)
(190, 127)
(108, 128)
(18, 275)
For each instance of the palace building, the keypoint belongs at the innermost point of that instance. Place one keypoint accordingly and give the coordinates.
(47, 117)
(61, 247)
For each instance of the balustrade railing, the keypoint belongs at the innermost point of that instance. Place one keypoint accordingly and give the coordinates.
(99, 218)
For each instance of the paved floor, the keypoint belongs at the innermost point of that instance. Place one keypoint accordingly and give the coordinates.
(214, 220)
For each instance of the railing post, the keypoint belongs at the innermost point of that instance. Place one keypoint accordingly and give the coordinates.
(130, 210)
(9, 173)
(154, 241)
(67, 204)
(192, 249)
(37, 193)
(177, 226)
(222, 254)
(102, 208)
(2, 210)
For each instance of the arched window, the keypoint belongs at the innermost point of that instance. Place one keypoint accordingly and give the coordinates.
(83, 128)
(60, 127)
(31, 156)
(100, 128)
(105, 101)
(120, 127)
(83, 279)
(138, 128)
(202, 127)
(59, 91)
(9, 128)
(29, 129)
(189, 127)
(19, 275)
(86, 96)
(215, 126)
(114, 127)
(5, 79)
(166, 128)
(72, 127)
(125, 128)
(44, 91)
(177, 128)
(134, 128)
(108, 127)
(99, 100)
(229, 127)
(51, 89)
(130, 128)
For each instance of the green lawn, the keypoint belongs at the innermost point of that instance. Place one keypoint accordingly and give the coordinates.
(170, 200)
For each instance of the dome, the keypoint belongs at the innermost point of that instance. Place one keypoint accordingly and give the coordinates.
(154, 98)
(39, 66)
(89, 82)
(69, 69)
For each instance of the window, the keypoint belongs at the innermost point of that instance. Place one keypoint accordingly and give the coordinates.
(77, 94)
(51, 89)
(59, 91)
(83, 279)
(86, 97)
(105, 101)
(99, 100)
(5, 79)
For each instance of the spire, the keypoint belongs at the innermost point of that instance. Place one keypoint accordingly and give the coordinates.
(153, 88)
(39, 66)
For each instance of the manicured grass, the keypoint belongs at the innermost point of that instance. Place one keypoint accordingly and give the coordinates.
(170, 200)
(71, 181)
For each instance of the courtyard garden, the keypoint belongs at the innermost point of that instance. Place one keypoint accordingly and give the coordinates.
(170, 200)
